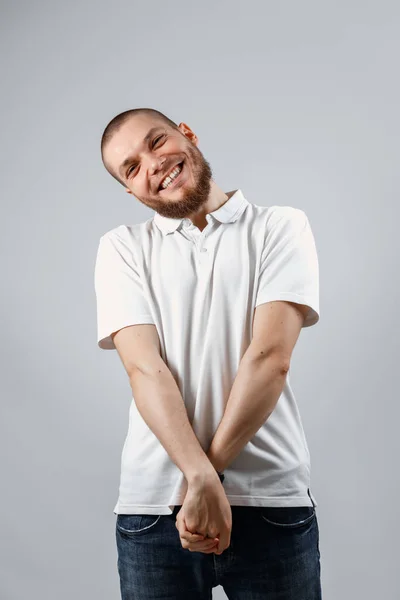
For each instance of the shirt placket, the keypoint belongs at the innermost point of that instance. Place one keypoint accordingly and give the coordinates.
(200, 239)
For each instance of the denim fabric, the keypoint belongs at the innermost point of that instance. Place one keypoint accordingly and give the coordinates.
(273, 555)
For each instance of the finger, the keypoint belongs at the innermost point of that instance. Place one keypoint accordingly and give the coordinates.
(191, 537)
(188, 535)
(193, 540)
(211, 550)
(203, 547)
(207, 543)
(224, 542)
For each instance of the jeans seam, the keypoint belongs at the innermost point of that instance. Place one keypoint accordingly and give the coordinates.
(137, 530)
(298, 524)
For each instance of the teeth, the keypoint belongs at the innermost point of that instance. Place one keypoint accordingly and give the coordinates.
(169, 178)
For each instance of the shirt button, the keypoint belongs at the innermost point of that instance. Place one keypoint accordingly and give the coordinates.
(204, 249)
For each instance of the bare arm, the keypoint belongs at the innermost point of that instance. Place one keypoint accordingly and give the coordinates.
(160, 402)
(260, 379)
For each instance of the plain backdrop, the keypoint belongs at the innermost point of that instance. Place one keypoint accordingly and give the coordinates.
(295, 103)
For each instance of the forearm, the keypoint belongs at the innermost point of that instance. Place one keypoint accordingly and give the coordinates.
(254, 394)
(160, 403)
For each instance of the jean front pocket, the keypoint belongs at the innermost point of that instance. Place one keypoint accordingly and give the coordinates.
(288, 516)
(133, 525)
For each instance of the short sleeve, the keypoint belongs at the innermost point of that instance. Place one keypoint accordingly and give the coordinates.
(289, 267)
(119, 290)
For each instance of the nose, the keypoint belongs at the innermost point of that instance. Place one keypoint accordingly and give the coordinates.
(156, 165)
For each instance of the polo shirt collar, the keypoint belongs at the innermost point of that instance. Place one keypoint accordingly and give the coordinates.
(229, 212)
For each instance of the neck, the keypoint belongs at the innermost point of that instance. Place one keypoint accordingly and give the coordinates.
(217, 198)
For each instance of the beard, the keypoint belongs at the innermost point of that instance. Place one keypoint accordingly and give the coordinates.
(192, 198)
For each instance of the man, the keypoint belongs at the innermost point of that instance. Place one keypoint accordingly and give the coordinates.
(204, 303)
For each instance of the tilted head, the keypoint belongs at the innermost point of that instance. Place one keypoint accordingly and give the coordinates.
(140, 147)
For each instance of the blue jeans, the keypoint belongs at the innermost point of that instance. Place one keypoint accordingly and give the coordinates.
(273, 555)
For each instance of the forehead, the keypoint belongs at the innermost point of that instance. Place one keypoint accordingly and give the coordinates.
(128, 139)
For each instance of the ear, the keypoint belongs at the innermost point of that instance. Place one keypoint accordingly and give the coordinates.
(188, 133)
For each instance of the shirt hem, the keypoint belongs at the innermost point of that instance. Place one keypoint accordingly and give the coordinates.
(234, 500)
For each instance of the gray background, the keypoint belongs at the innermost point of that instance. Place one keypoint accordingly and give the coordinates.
(295, 103)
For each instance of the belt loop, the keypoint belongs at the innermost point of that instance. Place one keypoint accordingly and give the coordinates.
(312, 501)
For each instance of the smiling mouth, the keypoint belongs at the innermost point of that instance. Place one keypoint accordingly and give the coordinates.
(173, 182)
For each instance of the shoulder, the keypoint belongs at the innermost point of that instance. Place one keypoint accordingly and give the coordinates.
(121, 232)
(284, 220)
(122, 237)
(115, 245)
(278, 213)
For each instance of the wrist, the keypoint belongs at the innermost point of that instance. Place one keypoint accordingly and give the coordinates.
(200, 477)
(204, 477)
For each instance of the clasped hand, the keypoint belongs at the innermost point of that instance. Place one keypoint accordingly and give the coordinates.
(205, 511)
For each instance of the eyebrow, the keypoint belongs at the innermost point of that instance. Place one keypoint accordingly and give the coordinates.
(146, 140)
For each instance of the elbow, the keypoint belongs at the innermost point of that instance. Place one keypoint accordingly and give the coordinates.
(152, 369)
(273, 358)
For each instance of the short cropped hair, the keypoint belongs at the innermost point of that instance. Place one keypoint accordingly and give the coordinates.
(116, 123)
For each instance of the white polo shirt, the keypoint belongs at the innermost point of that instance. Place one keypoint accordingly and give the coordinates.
(200, 289)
